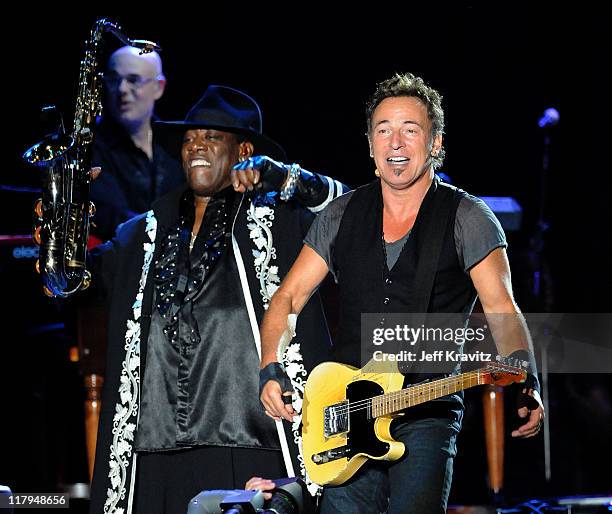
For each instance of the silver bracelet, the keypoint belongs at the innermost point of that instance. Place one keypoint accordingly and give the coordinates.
(292, 177)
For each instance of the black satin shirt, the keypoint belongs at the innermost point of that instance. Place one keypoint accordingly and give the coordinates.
(200, 385)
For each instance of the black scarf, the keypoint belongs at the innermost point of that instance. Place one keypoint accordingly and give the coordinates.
(180, 274)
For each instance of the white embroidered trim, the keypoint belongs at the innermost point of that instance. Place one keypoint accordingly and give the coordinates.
(293, 363)
(259, 231)
(126, 410)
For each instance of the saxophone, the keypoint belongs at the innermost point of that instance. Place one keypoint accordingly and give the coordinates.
(64, 211)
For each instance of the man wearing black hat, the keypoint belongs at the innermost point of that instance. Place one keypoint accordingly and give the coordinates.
(190, 282)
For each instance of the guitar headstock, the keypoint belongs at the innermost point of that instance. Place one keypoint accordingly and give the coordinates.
(505, 371)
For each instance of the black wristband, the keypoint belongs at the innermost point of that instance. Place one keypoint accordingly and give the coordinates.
(275, 371)
(528, 363)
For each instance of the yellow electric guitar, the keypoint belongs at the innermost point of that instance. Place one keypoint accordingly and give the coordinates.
(347, 413)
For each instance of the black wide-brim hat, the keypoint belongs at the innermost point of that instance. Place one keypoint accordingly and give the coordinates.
(221, 108)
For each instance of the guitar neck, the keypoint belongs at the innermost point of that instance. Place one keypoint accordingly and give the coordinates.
(391, 403)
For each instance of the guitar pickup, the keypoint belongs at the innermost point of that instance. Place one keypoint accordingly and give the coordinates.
(336, 419)
(333, 454)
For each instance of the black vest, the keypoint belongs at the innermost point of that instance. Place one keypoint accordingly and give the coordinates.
(427, 277)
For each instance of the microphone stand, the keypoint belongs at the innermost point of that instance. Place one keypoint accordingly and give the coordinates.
(541, 288)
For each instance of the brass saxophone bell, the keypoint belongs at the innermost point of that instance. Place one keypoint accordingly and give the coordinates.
(48, 149)
(48, 292)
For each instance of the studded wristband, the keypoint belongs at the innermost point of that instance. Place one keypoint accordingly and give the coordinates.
(292, 177)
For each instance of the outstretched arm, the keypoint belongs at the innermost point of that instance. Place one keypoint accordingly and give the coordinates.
(312, 190)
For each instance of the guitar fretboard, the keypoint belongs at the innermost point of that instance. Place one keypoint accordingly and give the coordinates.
(390, 403)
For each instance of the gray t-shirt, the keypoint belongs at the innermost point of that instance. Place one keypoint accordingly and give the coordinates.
(477, 232)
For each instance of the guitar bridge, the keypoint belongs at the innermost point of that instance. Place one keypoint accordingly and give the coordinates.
(336, 419)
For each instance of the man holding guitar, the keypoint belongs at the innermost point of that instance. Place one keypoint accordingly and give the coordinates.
(405, 243)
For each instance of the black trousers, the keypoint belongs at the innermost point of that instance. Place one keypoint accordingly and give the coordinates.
(167, 481)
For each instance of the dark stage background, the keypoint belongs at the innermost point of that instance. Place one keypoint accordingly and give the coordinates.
(311, 74)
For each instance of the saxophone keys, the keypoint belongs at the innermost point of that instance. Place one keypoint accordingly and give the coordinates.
(86, 280)
(94, 173)
(36, 235)
(38, 208)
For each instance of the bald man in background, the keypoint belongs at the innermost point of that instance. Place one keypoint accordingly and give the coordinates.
(135, 170)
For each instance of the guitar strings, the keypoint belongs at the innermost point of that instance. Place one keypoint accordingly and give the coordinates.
(367, 403)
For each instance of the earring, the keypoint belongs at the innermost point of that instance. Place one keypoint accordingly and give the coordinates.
(376, 172)
(242, 159)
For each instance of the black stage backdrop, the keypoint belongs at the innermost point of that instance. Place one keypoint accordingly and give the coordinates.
(311, 72)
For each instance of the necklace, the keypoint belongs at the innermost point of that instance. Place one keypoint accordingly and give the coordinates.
(385, 267)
